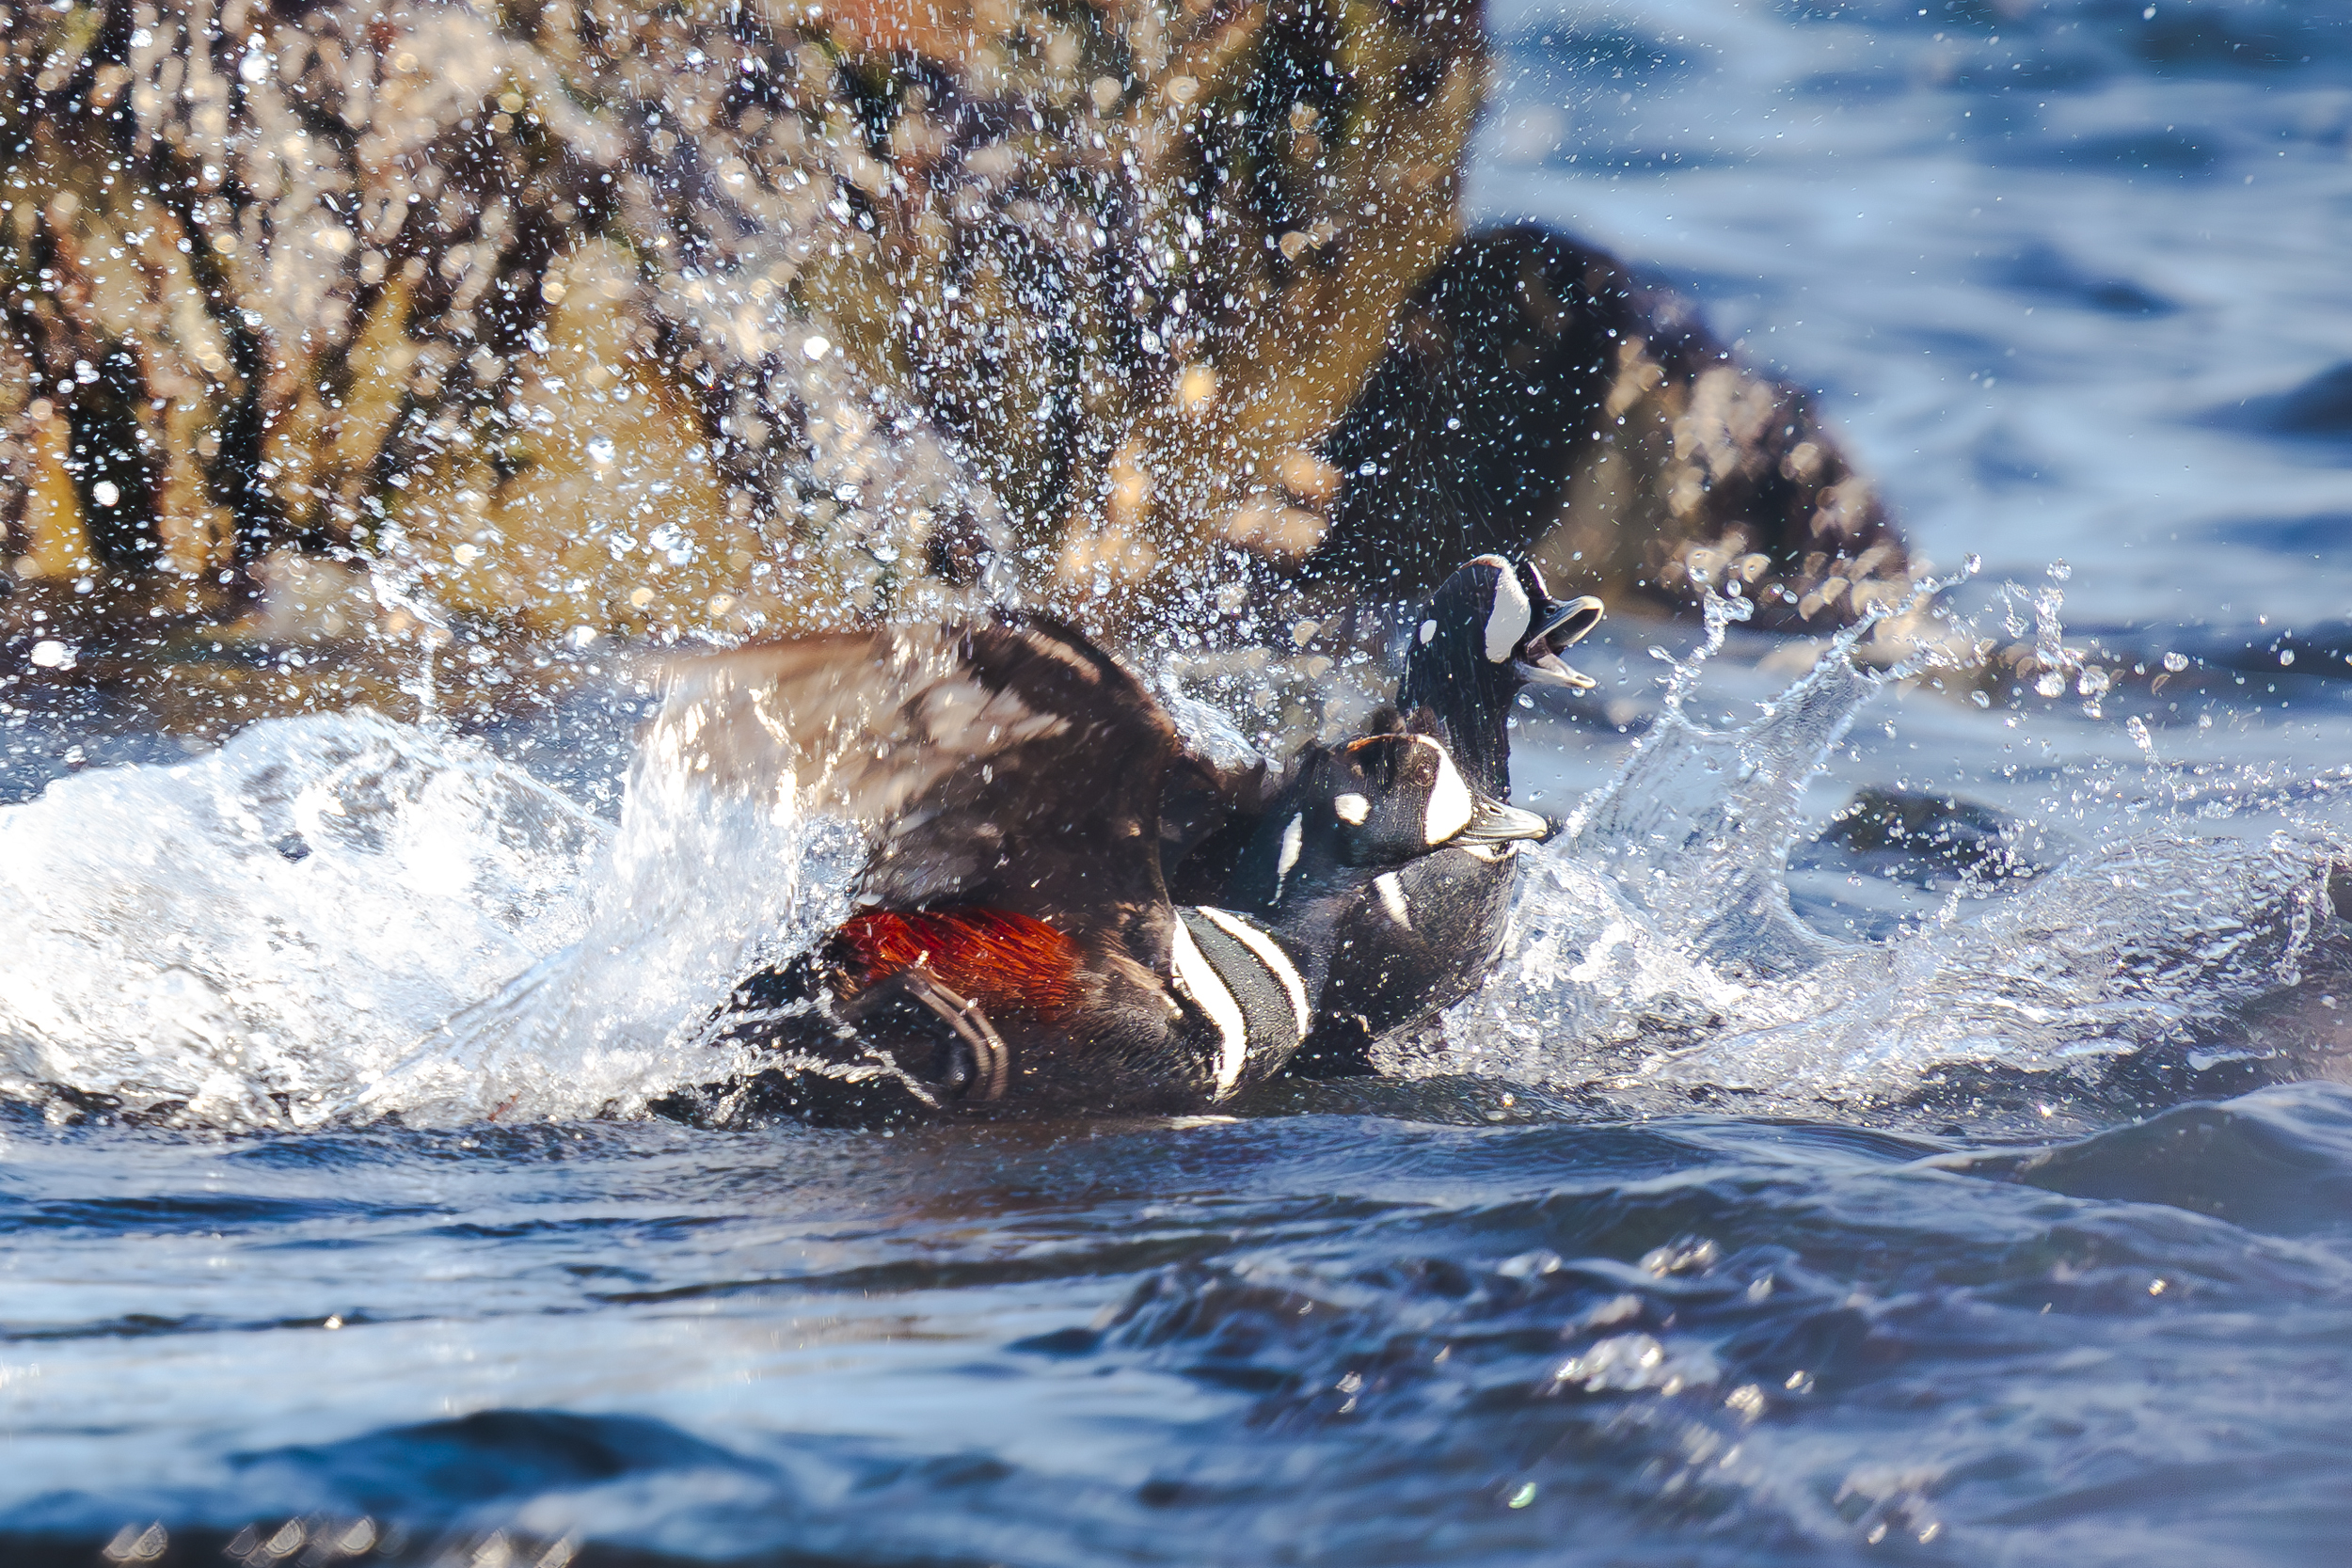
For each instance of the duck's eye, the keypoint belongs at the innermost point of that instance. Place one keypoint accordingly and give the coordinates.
(1352, 809)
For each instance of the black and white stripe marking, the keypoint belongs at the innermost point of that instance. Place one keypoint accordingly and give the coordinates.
(1239, 976)
(1294, 839)
(1510, 617)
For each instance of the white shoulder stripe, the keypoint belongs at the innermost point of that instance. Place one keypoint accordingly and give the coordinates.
(1270, 954)
(1196, 980)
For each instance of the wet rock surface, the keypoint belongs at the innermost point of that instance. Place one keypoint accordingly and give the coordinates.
(583, 321)
(1535, 392)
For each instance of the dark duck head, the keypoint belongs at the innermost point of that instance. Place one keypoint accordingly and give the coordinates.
(1490, 631)
(1366, 806)
(1015, 942)
(1422, 935)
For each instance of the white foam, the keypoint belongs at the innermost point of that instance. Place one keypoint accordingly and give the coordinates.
(343, 916)
(1653, 952)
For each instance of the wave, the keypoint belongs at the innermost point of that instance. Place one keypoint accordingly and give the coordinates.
(1654, 959)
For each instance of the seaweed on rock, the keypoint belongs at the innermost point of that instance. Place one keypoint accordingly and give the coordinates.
(701, 319)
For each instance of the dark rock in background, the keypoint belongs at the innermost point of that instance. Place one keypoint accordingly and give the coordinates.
(578, 319)
(1534, 394)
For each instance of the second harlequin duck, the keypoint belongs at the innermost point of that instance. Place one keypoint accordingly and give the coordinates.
(1425, 934)
(1014, 942)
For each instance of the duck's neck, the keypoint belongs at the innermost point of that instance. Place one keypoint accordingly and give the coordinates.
(1468, 701)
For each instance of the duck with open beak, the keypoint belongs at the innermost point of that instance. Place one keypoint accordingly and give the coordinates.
(1490, 631)
(1557, 628)
(1424, 936)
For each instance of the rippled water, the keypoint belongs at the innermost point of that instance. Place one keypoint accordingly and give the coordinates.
(1973, 1199)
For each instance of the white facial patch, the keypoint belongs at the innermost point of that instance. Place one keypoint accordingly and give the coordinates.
(1294, 835)
(1450, 809)
(1509, 619)
(1196, 980)
(1352, 809)
(1393, 899)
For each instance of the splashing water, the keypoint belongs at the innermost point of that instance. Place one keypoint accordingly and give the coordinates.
(1654, 958)
(704, 881)
(347, 919)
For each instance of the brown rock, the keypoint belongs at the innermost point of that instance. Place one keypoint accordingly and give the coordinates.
(578, 317)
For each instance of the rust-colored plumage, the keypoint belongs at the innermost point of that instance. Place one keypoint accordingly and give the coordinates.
(1006, 962)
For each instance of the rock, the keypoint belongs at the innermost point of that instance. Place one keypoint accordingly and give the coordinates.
(1534, 394)
(579, 318)
(695, 317)
(1925, 839)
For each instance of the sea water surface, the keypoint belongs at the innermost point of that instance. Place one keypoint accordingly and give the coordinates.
(1946, 1183)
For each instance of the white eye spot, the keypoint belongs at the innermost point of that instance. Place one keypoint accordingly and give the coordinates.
(1428, 632)
(1293, 835)
(1509, 619)
(1449, 808)
(1352, 808)
(1393, 899)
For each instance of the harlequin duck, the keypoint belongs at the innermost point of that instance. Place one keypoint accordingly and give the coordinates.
(1015, 942)
(1423, 936)
(1489, 631)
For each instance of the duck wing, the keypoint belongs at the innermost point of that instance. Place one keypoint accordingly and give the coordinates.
(1007, 766)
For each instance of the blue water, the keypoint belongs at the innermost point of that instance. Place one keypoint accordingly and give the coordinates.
(1996, 1220)
(1322, 1338)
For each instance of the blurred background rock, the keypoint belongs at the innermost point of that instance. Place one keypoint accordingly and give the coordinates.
(541, 325)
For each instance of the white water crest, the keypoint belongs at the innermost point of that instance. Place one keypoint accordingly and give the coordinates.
(1654, 958)
(343, 917)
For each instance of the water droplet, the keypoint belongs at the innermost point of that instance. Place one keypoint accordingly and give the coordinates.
(2060, 571)
(600, 448)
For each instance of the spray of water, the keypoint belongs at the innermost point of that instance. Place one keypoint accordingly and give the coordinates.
(349, 918)
(346, 917)
(1654, 958)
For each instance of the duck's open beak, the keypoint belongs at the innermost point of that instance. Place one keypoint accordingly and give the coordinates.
(1557, 628)
(1492, 822)
(1550, 669)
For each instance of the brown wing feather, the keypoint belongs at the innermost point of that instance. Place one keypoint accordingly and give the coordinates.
(1016, 767)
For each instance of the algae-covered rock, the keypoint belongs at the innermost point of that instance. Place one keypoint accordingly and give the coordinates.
(696, 313)
(579, 318)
